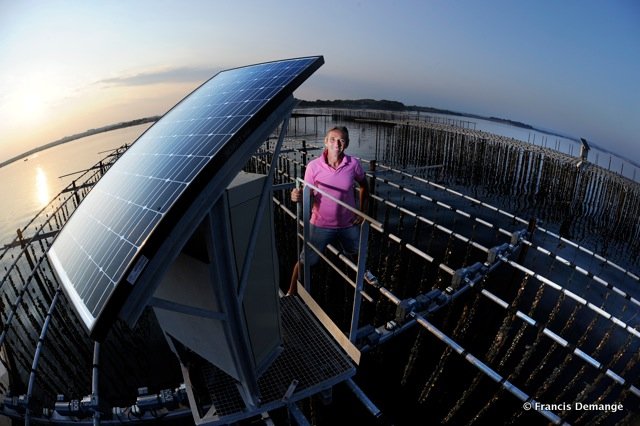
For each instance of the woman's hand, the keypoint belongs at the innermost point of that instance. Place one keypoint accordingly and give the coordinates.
(296, 195)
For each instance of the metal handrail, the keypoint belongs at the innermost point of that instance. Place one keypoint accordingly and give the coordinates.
(363, 215)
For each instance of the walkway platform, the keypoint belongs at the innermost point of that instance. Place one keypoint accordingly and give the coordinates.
(309, 363)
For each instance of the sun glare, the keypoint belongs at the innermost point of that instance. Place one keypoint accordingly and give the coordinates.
(33, 97)
(42, 187)
(32, 107)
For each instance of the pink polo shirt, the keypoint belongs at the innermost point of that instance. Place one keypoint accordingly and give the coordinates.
(337, 182)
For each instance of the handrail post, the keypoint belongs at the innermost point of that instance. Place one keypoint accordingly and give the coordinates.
(371, 182)
(298, 219)
(306, 213)
(303, 169)
(357, 295)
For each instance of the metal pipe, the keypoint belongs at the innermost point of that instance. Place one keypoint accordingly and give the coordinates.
(575, 297)
(487, 370)
(357, 297)
(364, 399)
(36, 356)
(342, 204)
(555, 337)
(95, 397)
(586, 273)
(554, 418)
(297, 415)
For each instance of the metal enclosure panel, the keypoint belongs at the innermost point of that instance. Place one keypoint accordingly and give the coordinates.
(189, 284)
(260, 300)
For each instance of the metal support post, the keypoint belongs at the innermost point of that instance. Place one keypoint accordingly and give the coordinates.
(95, 375)
(298, 219)
(306, 213)
(357, 295)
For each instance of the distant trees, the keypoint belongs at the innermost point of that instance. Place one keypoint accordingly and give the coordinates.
(355, 103)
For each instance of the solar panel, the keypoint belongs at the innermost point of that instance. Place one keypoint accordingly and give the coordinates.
(162, 186)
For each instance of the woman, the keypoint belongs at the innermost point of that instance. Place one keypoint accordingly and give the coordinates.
(334, 172)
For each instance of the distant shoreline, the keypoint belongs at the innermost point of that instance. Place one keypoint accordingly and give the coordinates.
(84, 134)
(386, 105)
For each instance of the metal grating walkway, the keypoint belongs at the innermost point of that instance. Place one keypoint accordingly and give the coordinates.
(310, 357)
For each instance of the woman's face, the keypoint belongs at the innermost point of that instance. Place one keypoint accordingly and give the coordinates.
(336, 142)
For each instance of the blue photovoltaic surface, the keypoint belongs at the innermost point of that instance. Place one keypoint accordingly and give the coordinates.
(162, 173)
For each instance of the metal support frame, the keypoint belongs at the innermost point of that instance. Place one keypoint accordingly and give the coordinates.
(95, 376)
(357, 294)
(265, 200)
(222, 270)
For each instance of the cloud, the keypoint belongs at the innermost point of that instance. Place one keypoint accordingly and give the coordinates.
(168, 75)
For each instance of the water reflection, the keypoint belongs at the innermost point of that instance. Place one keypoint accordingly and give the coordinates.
(42, 187)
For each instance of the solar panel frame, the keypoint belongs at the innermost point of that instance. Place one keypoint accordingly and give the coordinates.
(199, 142)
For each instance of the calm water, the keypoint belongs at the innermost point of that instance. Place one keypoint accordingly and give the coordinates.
(27, 186)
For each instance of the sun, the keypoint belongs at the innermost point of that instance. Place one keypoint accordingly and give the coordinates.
(32, 98)
(31, 107)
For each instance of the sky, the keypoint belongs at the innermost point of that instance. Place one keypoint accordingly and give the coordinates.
(571, 66)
